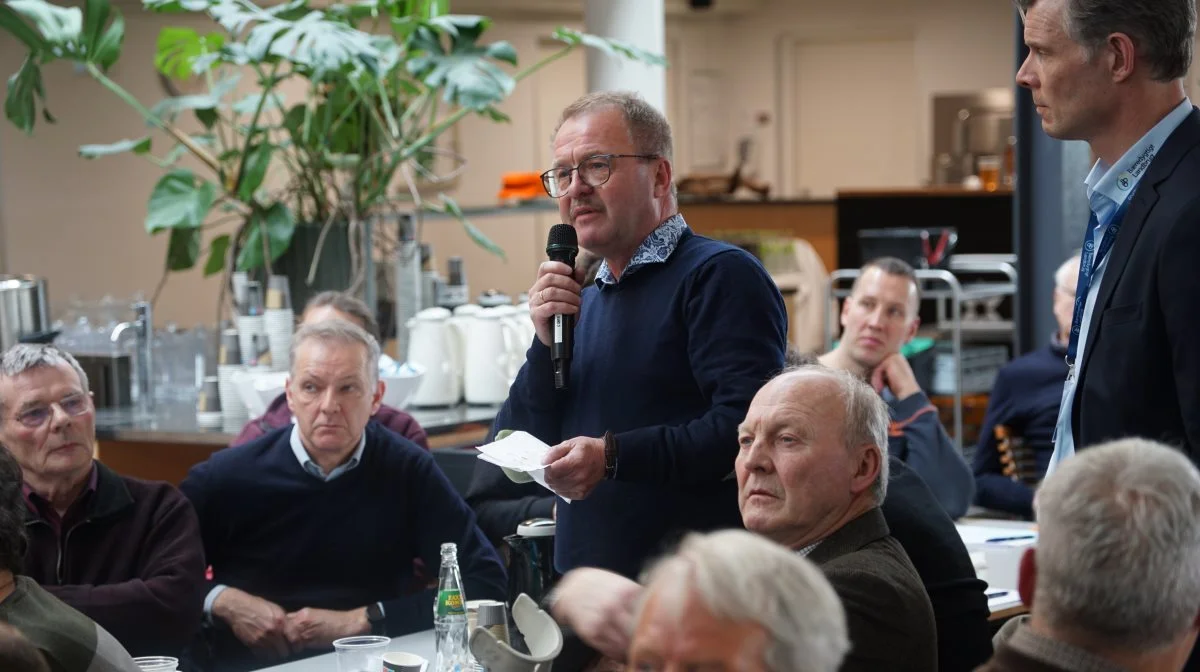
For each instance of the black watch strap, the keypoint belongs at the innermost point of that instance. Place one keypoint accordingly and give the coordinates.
(375, 618)
(610, 456)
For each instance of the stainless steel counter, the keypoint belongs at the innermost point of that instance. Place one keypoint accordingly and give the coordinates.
(177, 424)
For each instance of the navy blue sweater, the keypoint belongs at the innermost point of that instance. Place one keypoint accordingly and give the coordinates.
(275, 531)
(1025, 398)
(668, 359)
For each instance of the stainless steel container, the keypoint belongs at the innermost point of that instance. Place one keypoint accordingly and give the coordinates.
(110, 378)
(24, 309)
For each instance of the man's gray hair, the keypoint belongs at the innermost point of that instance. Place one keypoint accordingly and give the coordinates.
(25, 356)
(648, 127)
(338, 331)
(742, 577)
(865, 420)
(1163, 31)
(1118, 554)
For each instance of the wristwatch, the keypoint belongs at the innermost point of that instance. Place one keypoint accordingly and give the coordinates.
(375, 618)
(610, 456)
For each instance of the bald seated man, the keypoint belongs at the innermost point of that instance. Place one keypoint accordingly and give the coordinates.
(812, 471)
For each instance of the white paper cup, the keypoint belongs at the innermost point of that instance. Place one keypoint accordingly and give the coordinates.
(399, 661)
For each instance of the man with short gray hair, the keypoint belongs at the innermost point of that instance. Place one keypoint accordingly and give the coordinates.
(811, 473)
(734, 598)
(1114, 583)
(312, 529)
(643, 439)
(123, 551)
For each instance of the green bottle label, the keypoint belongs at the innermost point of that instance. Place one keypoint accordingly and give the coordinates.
(450, 603)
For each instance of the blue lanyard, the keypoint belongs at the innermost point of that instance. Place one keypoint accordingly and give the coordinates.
(1089, 261)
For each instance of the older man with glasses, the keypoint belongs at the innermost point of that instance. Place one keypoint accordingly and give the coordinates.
(670, 345)
(123, 551)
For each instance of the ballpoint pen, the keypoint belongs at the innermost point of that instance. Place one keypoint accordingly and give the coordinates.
(996, 540)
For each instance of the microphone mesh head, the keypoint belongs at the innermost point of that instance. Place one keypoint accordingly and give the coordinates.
(562, 235)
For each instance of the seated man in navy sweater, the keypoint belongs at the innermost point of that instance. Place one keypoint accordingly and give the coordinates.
(880, 316)
(670, 346)
(1025, 399)
(312, 529)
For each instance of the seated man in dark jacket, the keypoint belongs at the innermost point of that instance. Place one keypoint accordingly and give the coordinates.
(811, 473)
(879, 317)
(335, 306)
(123, 551)
(1025, 399)
(312, 530)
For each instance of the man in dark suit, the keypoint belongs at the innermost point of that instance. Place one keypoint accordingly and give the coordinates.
(812, 471)
(1113, 76)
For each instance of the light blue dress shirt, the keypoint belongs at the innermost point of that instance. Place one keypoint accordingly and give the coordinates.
(1107, 188)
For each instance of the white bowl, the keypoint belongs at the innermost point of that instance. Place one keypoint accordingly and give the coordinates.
(399, 389)
(258, 388)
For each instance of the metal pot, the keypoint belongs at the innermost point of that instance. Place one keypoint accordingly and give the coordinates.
(24, 310)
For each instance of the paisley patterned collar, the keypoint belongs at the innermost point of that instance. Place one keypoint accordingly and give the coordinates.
(655, 249)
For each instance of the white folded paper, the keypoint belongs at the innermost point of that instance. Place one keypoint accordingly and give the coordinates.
(519, 453)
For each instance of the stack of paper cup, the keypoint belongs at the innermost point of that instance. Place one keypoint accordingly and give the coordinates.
(251, 332)
(278, 324)
(229, 364)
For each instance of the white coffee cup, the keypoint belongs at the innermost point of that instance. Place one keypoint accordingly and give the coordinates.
(398, 661)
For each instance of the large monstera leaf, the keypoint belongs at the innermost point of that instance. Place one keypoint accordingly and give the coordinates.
(91, 36)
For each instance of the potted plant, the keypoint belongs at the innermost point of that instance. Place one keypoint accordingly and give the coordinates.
(382, 80)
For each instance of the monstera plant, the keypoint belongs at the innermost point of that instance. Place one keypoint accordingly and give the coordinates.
(380, 82)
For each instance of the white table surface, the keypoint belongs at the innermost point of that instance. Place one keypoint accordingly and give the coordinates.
(1001, 576)
(420, 643)
(1002, 558)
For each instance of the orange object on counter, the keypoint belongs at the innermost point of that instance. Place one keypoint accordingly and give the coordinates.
(521, 186)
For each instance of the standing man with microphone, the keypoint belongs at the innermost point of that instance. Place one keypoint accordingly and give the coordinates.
(1110, 72)
(669, 347)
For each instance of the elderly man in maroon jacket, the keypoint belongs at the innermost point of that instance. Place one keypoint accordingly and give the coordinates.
(123, 551)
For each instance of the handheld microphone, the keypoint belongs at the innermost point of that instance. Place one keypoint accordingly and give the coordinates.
(562, 245)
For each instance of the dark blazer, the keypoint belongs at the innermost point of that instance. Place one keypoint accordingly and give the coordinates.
(1140, 372)
(1008, 659)
(888, 614)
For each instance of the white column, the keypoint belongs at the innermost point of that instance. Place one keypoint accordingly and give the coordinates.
(635, 22)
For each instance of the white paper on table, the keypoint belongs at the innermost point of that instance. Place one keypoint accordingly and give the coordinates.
(1002, 599)
(977, 535)
(521, 452)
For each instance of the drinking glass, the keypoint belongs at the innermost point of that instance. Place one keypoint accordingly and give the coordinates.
(157, 664)
(361, 654)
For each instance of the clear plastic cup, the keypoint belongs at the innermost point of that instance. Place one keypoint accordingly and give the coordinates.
(157, 664)
(361, 654)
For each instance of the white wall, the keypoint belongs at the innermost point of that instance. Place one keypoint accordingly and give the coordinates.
(79, 223)
(958, 45)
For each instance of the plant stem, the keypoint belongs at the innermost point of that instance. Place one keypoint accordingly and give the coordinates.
(181, 137)
(268, 82)
(220, 135)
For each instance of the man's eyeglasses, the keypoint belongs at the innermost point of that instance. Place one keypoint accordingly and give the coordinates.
(594, 171)
(36, 416)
